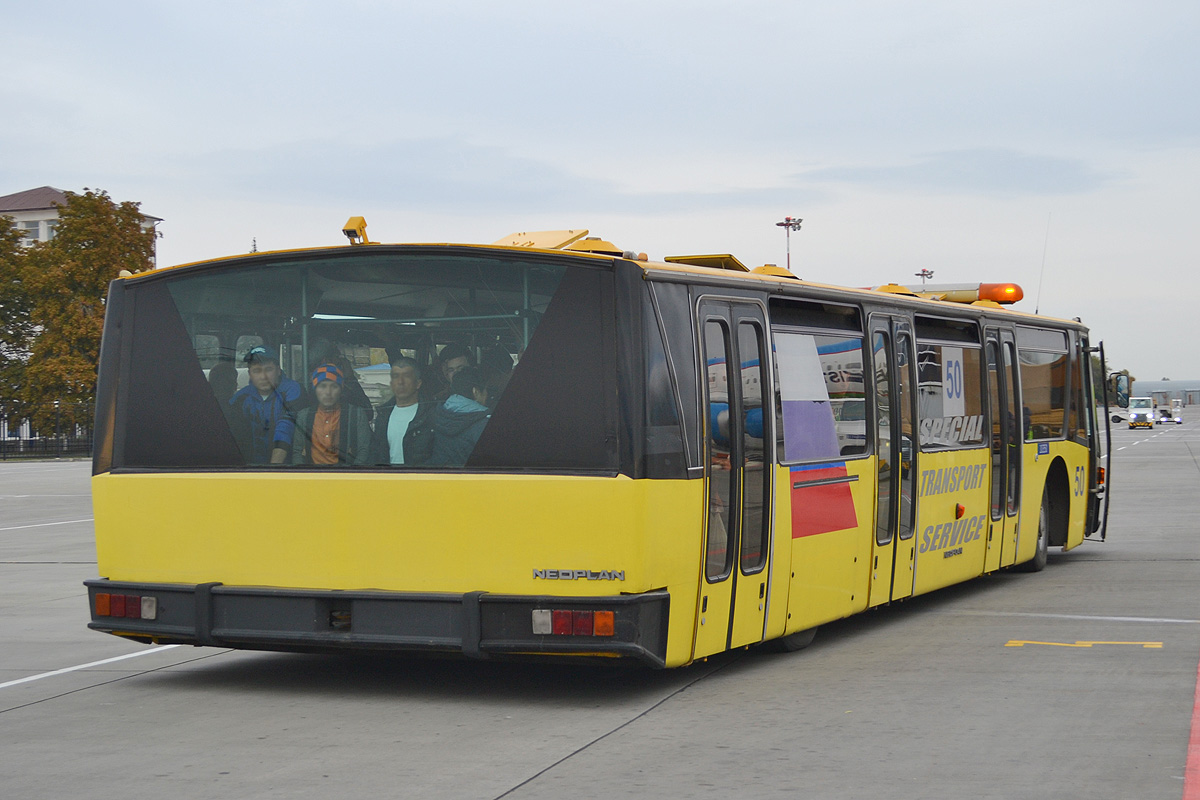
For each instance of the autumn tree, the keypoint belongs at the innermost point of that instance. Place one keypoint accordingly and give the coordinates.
(16, 330)
(66, 281)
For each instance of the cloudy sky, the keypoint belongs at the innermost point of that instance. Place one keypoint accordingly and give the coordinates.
(1052, 144)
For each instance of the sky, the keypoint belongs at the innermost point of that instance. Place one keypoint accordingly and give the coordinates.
(1056, 145)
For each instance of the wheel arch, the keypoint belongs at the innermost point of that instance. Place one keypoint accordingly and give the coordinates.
(1058, 495)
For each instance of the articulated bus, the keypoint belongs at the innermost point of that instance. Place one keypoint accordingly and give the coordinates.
(678, 458)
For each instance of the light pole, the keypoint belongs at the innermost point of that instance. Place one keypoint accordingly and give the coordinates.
(790, 224)
(923, 274)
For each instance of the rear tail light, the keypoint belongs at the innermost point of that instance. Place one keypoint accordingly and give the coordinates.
(564, 622)
(128, 606)
(581, 623)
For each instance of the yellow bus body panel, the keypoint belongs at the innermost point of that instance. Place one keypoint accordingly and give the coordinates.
(951, 548)
(1076, 461)
(830, 570)
(409, 533)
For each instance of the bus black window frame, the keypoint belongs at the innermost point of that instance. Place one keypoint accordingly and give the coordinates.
(777, 329)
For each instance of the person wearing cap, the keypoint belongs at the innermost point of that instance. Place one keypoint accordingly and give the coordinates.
(269, 404)
(334, 431)
(403, 427)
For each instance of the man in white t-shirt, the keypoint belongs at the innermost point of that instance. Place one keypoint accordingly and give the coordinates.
(403, 430)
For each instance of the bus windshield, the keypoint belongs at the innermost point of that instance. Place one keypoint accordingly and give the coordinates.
(198, 342)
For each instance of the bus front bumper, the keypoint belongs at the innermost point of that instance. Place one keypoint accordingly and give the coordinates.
(476, 624)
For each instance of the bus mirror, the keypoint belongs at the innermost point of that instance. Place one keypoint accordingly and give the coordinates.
(1119, 386)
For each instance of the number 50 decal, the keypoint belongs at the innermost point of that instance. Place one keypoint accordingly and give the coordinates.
(953, 403)
(1080, 481)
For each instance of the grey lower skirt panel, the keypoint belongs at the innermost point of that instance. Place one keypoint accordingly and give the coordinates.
(477, 624)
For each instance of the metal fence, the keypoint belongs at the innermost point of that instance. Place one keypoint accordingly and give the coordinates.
(64, 430)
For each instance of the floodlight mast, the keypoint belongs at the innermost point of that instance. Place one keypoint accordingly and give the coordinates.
(790, 224)
(923, 275)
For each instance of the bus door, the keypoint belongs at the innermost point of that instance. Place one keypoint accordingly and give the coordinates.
(1101, 454)
(1007, 426)
(734, 590)
(894, 550)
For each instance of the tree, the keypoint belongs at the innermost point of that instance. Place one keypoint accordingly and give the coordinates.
(66, 280)
(16, 329)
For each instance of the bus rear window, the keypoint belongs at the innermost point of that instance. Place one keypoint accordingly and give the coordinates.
(432, 361)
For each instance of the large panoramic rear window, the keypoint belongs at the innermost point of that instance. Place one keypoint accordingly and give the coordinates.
(376, 358)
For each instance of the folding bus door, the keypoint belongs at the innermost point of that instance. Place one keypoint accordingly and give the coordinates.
(734, 589)
(1007, 436)
(894, 548)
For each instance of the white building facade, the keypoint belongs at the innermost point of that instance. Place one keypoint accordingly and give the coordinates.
(34, 212)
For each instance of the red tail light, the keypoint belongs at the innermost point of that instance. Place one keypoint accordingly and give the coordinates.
(560, 623)
(581, 623)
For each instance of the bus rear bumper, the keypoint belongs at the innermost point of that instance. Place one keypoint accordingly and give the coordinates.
(477, 624)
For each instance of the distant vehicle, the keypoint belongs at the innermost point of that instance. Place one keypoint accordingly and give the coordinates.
(1141, 412)
(1172, 414)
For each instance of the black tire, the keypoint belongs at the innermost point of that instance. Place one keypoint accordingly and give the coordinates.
(793, 642)
(1038, 562)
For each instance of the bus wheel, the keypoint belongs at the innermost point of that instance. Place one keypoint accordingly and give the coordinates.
(793, 641)
(1038, 562)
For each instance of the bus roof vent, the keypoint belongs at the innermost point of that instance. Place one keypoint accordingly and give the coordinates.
(773, 269)
(542, 240)
(715, 261)
(895, 288)
(594, 244)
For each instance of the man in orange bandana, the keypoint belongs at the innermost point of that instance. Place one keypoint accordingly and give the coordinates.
(332, 432)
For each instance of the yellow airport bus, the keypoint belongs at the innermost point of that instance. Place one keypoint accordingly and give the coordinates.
(666, 459)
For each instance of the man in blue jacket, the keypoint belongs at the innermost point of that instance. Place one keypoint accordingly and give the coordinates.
(269, 404)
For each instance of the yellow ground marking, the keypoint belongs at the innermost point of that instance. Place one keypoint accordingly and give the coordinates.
(1019, 643)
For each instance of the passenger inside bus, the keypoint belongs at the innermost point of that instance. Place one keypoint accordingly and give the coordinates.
(334, 431)
(269, 404)
(458, 423)
(403, 428)
(497, 366)
(452, 358)
(352, 391)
